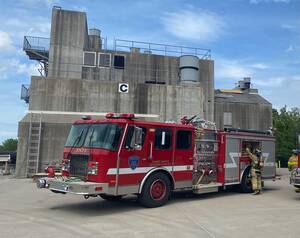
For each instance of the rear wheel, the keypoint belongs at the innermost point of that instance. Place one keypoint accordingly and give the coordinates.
(111, 198)
(156, 190)
(246, 184)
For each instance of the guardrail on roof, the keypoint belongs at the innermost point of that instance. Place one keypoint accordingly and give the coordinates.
(160, 49)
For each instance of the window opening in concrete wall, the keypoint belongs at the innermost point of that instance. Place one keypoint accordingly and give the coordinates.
(89, 59)
(104, 60)
(227, 119)
(119, 61)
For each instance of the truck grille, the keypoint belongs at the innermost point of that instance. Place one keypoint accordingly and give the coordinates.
(79, 165)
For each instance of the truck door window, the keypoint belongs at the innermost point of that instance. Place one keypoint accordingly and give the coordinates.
(184, 140)
(163, 139)
(249, 144)
(129, 137)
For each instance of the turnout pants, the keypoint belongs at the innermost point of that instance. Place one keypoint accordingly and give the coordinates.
(256, 179)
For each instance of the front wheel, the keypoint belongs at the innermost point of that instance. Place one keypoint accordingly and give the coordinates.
(246, 184)
(156, 190)
(111, 198)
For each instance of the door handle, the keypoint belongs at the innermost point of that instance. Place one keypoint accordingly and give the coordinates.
(151, 149)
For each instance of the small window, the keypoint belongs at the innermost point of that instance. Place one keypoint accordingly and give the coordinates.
(89, 59)
(119, 61)
(104, 60)
(129, 136)
(163, 139)
(227, 119)
(184, 140)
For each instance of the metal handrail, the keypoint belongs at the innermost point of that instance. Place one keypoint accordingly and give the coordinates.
(157, 47)
(36, 43)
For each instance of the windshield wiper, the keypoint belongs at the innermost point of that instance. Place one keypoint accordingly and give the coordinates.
(78, 138)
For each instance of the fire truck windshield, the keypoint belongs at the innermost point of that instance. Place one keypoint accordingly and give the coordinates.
(104, 136)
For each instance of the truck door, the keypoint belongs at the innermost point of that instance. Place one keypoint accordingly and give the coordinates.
(184, 157)
(133, 159)
(162, 148)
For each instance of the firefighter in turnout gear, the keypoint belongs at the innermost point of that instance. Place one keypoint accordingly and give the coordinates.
(256, 165)
(293, 161)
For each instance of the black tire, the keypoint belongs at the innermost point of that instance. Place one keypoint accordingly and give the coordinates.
(156, 190)
(111, 198)
(246, 184)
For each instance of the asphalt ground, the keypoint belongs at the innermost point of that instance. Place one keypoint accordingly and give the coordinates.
(28, 212)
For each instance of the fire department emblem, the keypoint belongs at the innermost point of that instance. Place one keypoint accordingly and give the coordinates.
(133, 162)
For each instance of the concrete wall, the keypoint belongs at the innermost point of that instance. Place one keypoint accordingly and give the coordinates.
(245, 115)
(206, 79)
(69, 36)
(169, 102)
(55, 130)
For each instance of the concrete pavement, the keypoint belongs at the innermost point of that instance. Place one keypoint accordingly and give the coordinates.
(28, 212)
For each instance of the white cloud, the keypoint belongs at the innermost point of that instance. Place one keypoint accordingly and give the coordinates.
(260, 66)
(269, 82)
(199, 25)
(26, 25)
(267, 1)
(47, 3)
(288, 26)
(276, 82)
(290, 48)
(231, 69)
(10, 67)
(5, 42)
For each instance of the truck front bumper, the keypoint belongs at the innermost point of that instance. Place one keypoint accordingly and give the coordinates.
(61, 185)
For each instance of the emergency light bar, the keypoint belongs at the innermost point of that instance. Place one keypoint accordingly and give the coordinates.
(122, 115)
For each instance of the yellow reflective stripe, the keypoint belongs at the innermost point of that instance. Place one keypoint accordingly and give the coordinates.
(292, 163)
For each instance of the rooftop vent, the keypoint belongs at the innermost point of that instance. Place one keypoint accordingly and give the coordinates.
(135, 50)
(94, 32)
(244, 84)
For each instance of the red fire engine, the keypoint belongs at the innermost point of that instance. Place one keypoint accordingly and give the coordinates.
(122, 155)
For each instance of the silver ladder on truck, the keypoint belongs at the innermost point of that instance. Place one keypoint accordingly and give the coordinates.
(34, 141)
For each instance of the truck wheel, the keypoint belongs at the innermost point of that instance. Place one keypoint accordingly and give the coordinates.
(246, 184)
(156, 190)
(111, 198)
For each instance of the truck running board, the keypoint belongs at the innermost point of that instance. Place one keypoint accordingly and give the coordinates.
(206, 188)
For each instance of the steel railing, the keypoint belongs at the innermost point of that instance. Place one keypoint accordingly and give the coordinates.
(161, 49)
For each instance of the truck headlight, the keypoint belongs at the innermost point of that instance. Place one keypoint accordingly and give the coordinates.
(93, 168)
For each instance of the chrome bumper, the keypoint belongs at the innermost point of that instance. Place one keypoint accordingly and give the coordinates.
(75, 187)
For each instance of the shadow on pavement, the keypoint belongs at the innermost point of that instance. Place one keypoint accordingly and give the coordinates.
(100, 207)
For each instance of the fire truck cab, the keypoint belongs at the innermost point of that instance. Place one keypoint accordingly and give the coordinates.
(121, 155)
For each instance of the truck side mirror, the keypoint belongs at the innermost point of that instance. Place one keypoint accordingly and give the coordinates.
(137, 138)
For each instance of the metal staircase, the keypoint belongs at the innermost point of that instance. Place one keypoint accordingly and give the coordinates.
(37, 48)
(34, 141)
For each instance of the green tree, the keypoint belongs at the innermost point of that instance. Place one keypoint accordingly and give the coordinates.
(9, 145)
(287, 125)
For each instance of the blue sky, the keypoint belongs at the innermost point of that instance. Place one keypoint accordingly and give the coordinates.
(256, 38)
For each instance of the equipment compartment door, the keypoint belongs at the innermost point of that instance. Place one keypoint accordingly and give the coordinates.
(232, 160)
(268, 155)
